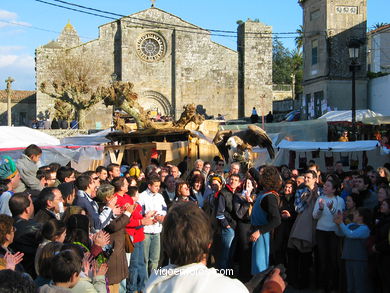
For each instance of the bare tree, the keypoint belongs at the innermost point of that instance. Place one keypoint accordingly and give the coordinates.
(121, 95)
(75, 79)
(64, 110)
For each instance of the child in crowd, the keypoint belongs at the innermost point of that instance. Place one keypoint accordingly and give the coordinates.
(65, 273)
(354, 251)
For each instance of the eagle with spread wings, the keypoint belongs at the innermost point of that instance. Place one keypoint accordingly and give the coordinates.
(237, 145)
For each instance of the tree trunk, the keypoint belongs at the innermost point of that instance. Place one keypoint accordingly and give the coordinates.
(134, 113)
(81, 118)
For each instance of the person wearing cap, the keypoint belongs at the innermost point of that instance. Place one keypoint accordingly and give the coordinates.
(9, 180)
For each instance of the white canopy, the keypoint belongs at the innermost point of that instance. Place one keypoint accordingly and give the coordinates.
(13, 141)
(16, 137)
(352, 150)
(338, 116)
(351, 146)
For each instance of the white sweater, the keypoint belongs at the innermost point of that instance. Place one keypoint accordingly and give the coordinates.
(325, 217)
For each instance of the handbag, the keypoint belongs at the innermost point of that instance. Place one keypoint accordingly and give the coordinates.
(344, 160)
(129, 245)
(354, 163)
(302, 162)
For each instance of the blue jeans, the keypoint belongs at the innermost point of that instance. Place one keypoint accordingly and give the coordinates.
(137, 269)
(151, 251)
(227, 248)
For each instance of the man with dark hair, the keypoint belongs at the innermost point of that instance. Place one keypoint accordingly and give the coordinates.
(152, 200)
(15, 282)
(66, 174)
(226, 219)
(28, 167)
(85, 198)
(339, 171)
(25, 239)
(47, 177)
(66, 270)
(54, 166)
(220, 167)
(102, 173)
(309, 192)
(51, 205)
(367, 198)
(113, 170)
(187, 237)
(301, 241)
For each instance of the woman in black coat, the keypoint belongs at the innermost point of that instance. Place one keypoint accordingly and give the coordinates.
(282, 232)
(242, 204)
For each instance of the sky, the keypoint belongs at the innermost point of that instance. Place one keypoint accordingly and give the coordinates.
(28, 24)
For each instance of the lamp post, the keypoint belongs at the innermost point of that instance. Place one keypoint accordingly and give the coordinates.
(353, 47)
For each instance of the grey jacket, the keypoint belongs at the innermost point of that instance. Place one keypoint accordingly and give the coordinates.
(28, 174)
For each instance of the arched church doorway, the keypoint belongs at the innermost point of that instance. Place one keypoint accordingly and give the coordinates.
(156, 103)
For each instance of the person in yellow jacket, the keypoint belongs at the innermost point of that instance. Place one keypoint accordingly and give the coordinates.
(344, 137)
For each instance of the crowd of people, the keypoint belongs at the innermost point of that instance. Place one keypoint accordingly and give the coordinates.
(206, 227)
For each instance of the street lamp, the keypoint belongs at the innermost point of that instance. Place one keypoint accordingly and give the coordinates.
(353, 48)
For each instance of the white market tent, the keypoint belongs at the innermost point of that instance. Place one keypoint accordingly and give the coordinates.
(339, 116)
(317, 151)
(13, 141)
(334, 146)
(379, 120)
(13, 137)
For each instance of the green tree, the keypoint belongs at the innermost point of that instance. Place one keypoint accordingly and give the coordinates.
(297, 69)
(299, 38)
(286, 65)
(281, 63)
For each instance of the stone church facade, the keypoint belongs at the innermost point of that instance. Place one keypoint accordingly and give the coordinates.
(172, 63)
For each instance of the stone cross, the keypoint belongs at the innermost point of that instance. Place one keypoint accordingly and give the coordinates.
(9, 81)
(153, 2)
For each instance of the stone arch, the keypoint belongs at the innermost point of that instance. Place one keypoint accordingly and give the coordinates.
(150, 100)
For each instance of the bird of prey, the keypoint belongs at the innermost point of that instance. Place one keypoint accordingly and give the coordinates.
(237, 145)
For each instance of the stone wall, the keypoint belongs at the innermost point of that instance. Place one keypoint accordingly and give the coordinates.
(22, 113)
(61, 133)
(255, 67)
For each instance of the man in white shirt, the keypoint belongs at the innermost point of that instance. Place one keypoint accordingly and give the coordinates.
(152, 200)
(187, 238)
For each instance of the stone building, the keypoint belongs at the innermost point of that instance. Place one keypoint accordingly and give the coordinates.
(172, 63)
(329, 25)
(22, 107)
(379, 49)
